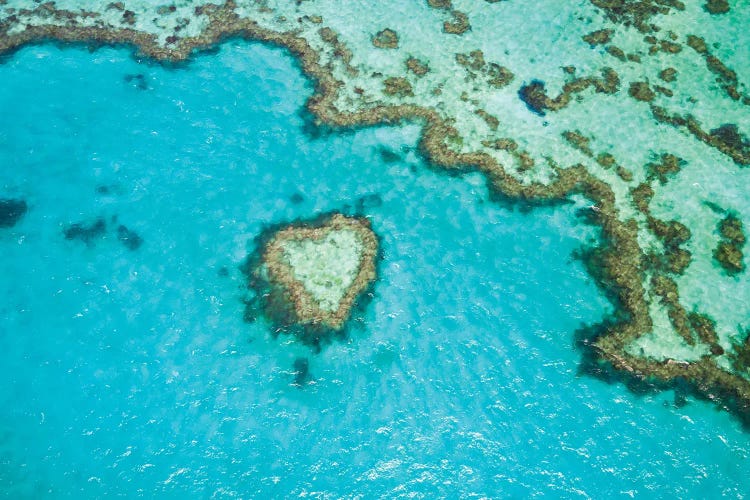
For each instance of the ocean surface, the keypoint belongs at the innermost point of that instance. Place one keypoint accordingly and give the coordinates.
(127, 366)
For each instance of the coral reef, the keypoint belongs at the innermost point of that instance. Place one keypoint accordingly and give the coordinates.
(11, 211)
(729, 251)
(311, 274)
(717, 6)
(129, 238)
(86, 232)
(642, 153)
(385, 39)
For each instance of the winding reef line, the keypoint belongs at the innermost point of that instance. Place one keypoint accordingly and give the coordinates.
(618, 266)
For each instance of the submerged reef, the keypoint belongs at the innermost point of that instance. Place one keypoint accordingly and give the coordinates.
(87, 232)
(91, 231)
(11, 211)
(309, 275)
(729, 252)
(129, 238)
(639, 106)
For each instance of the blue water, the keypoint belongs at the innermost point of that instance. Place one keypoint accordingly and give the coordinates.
(131, 372)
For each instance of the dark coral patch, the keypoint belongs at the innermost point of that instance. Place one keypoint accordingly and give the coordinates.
(729, 252)
(301, 371)
(129, 238)
(668, 166)
(11, 211)
(715, 7)
(534, 96)
(368, 202)
(640, 91)
(440, 4)
(668, 74)
(397, 86)
(598, 37)
(730, 137)
(389, 156)
(86, 233)
(385, 39)
(459, 25)
(417, 67)
(138, 81)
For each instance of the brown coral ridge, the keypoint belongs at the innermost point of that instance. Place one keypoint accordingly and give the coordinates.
(640, 91)
(673, 260)
(672, 235)
(605, 160)
(385, 39)
(726, 138)
(340, 50)
(741, 355)
(729, 253)
(440, 4)
(703, 378)
(285, 302)
(534, 94)
(417, 67)
(725, 76)
(618, 266)
(397, 86)
(603, 345)
(458, 25)
(523, 160)
(598, 37)
(496, 76)
(637, 13)
(668, 166)
(605, 356)
(716, 7)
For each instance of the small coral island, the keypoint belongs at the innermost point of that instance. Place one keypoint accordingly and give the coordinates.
(308, 276)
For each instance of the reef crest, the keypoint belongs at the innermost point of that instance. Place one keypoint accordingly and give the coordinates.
(314, 273)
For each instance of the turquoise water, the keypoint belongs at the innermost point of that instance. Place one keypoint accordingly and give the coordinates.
(129, 370)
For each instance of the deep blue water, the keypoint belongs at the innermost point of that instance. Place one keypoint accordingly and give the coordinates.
(131, 371)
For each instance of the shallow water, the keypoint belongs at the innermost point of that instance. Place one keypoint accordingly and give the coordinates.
(131, 371)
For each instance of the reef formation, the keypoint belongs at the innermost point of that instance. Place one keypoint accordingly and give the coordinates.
(11, 211)
(309, 275)
(639, 106)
